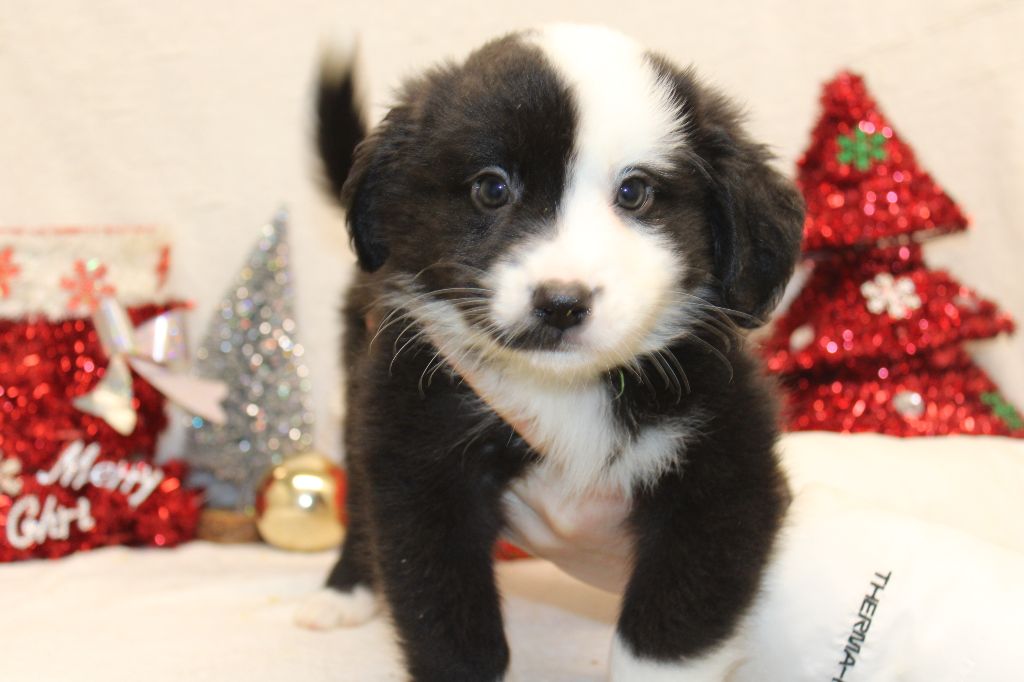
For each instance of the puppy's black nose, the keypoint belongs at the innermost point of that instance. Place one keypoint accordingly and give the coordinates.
(562, 304)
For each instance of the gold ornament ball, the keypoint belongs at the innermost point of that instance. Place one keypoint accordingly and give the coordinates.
(299, 504)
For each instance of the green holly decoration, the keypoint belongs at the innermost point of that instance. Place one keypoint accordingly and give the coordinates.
(1002, 409)
(861, 149)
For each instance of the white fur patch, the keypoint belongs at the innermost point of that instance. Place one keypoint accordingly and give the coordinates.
(627, 116)
(632, 271)
(573, 426)
(627, 120)
(329, 608)
(717, 666)
(568, 418)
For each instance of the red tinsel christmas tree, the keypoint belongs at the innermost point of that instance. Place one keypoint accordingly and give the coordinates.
(873, 342)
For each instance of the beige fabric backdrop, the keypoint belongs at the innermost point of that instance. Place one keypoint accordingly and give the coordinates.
(195, 115)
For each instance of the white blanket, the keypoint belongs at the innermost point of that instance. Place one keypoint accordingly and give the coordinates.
(936, 523)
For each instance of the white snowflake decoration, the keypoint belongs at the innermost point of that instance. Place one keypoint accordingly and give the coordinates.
(896, 296)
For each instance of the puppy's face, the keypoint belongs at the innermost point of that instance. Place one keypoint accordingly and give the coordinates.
(567, 202)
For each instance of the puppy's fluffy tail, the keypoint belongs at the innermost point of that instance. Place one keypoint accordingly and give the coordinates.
(340, 123)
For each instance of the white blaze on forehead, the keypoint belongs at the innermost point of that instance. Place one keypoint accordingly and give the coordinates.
(626, 119)
(627, 116)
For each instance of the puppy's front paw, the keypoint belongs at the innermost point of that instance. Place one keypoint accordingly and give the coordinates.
(329, 608)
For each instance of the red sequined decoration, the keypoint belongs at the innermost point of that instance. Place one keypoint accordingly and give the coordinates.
(931, 396)
(873, 342)
(167, 517)
(43, 366)
(861, 182)
(838, 329)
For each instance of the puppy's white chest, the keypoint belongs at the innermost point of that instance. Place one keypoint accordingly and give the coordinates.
(574, 428)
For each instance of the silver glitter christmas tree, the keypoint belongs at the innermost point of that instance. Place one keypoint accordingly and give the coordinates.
(251, 346)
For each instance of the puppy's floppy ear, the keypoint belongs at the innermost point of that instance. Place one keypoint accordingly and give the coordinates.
(347, 155)
(757, 217)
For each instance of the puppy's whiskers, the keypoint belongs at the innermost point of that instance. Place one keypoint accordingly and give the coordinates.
(420, 309)
(675, 372)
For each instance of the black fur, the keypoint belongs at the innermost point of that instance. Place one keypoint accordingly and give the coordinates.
(755, 212)
(340, 127)
(705, 530)
(424, 506)
(428, 461)
(417, 165)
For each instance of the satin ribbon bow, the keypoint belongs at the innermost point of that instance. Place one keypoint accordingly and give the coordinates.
(156, 350)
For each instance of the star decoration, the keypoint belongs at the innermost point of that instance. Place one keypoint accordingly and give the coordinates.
(86, 288)
(9, 472)
(8, 271)
(896, 296)
(861, 149)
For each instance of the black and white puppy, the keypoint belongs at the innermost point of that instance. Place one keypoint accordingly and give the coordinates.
(566, 233)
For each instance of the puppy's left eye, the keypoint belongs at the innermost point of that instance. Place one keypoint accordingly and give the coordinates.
(633, 194)
(491, 190)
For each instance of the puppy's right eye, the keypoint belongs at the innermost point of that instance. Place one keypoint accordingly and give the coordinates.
(633, 194)
(491, 190)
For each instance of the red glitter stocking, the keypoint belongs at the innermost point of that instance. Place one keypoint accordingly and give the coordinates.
(68, 481)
